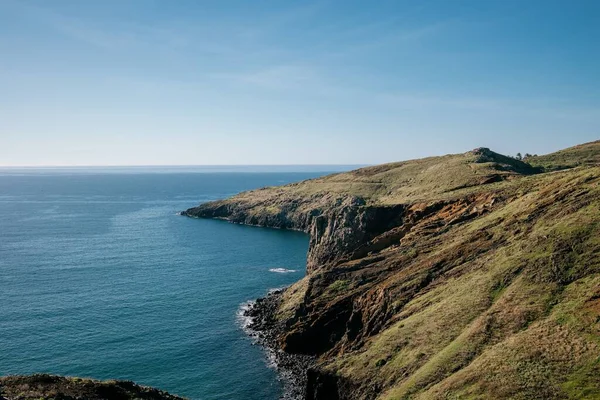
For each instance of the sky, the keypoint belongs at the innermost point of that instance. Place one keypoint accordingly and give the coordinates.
(145, 82)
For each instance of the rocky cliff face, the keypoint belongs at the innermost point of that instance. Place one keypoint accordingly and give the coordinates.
(337, 232)
(465, 276)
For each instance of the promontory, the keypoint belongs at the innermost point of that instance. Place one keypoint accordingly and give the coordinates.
(466, 276)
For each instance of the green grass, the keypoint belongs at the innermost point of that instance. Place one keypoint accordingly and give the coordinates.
(585, 154)
(338, 286)
(522, 303)
(583, 383)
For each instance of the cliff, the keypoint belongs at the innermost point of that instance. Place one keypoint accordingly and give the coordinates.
(465, 276)
(36, 387)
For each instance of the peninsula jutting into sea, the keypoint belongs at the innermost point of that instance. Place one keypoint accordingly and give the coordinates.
(472, 274)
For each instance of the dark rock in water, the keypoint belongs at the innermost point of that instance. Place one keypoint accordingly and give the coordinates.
(292, 368)
(42, 386)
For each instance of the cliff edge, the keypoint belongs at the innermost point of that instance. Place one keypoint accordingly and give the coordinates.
(464, 276)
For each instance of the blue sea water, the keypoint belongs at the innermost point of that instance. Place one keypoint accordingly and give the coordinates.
(100, 278)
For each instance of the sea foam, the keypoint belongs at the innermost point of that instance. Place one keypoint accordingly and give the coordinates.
(282, 270)
(244, 319)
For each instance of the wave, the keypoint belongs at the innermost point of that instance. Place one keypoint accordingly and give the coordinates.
(282, 270)
(243, 318)
(277, 289)
(245, 322)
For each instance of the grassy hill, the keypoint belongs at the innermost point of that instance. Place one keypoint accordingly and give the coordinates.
(583, 155)
(469, 276)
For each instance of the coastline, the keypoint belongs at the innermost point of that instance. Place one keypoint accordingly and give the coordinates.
(263, 326)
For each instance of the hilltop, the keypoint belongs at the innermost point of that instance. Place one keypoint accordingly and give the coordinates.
(472, 276)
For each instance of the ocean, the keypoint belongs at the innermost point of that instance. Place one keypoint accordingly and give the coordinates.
(99, 277)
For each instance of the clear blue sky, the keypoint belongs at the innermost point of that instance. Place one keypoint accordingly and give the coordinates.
(293, 82)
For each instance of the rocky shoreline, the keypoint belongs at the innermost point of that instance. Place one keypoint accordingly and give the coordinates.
(265, 328)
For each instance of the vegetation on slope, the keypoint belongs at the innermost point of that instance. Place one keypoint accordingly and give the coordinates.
(386, 184)
(505, 306)
(582, 155)
(470, 276)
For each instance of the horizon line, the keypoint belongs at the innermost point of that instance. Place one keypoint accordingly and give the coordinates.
(179, 165)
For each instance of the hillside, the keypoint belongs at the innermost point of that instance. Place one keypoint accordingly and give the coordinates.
(470, 276)
(36, 387)
(583, 155)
